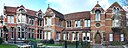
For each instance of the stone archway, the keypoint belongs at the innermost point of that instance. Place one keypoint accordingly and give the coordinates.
(98, 38)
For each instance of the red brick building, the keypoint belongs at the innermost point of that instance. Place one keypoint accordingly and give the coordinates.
(95, 26)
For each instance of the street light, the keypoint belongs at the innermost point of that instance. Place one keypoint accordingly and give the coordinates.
(65, 39)
(76, 41)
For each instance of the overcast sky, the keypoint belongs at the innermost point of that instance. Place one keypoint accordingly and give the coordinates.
(63, 6)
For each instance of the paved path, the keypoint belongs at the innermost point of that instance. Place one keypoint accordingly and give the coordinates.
(97, 46)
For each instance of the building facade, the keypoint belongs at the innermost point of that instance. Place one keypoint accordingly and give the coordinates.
(95, 26)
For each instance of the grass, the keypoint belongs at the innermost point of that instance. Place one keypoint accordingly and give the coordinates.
(8, 46)
(54, 44)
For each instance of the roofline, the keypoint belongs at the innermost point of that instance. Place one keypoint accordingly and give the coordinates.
(76, 12)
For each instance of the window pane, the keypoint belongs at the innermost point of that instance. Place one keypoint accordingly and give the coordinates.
(85, 23)
(88, 23)
(48, 21)
(97, 16)
(110, 37)
(122, 37)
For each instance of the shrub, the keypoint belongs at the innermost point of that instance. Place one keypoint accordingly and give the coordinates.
(51, 41)
(116, 43)
(84, 44)
(1, 40)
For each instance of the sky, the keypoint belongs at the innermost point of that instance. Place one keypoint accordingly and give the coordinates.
(63, 6)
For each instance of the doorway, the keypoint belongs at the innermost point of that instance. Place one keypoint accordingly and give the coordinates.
(98, 38)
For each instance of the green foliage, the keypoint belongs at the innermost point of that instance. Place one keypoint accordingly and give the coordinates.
(8, 46)
(1, 40)
(116, 43)
(85, 44)
(51, 41)
(32, 40)
(54, 44)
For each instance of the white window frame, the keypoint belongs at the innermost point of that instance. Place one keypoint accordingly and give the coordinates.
(88, 36)
(83, 36)
(77, 36)
(45, 35)
(97, 15)
(64, 36)
(110, 37)
(73, 36)
(68, 24)
(48, 21)
(121, 37)
(49, 35)
(58, 36)
(87, 23)
(10, 19)
(77, 23)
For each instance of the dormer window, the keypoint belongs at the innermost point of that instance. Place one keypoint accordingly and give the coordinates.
(116, 18)
(21, 11)
(97, 16)
(116, 23)
(40, 15)
(48, 21)
(116, 10)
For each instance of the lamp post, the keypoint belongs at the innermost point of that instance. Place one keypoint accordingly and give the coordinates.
(76, 41)
(65, 42)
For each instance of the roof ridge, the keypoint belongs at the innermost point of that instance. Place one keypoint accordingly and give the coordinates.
(77, 12)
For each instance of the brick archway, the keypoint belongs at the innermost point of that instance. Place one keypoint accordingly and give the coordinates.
(98, 38)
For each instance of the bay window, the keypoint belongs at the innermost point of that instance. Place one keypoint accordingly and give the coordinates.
(115, 23)
(48, 21)
(39, 34)
(10, 19)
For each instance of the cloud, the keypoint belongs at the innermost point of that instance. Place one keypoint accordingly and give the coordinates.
(69, 6)
(63, 6)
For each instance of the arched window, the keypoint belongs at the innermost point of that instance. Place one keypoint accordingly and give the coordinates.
(97, 16)
(39, 15)
(116, 10)
(21, 11)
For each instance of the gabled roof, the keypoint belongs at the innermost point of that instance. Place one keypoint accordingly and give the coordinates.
(12, 10)
(77, 15)
(116, 5)
(97, 5)
(57, 14)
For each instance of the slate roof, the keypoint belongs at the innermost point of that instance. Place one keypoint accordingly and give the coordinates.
(57, 14)
(78, 15)
(12, 10)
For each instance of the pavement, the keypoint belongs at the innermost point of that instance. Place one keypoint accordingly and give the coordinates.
(101, 46)
(97, 46)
